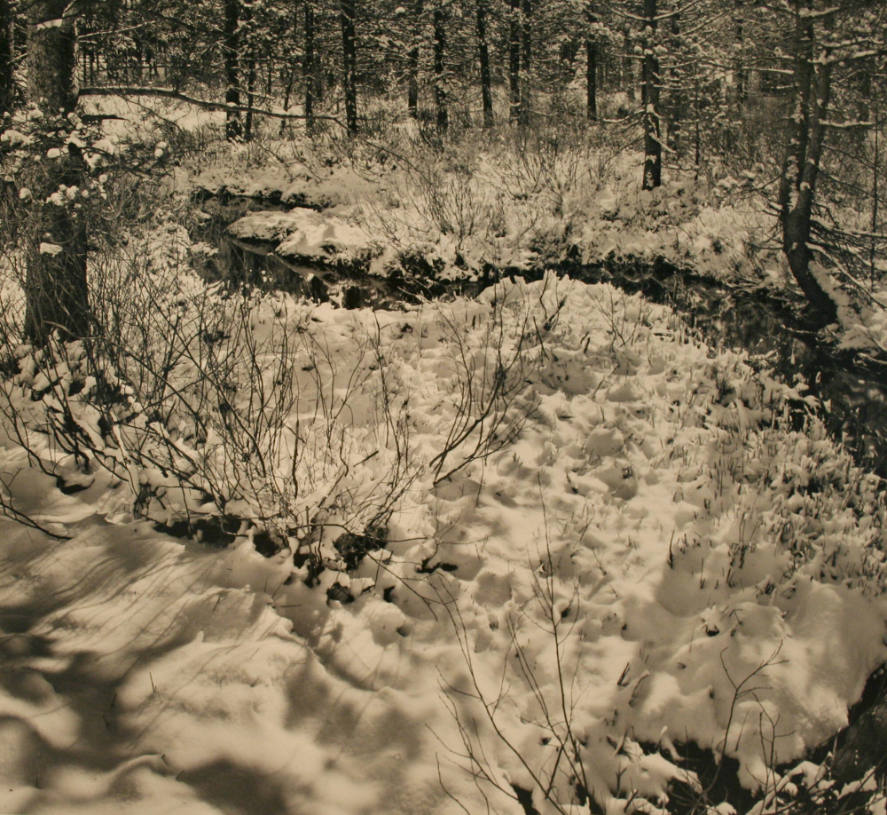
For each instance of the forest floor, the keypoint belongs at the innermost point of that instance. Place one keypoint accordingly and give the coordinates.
(605, 540)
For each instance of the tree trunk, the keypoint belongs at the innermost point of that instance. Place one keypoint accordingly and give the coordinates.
(250, 95)
(650, 99)
(233, 126)
(486, 91)
(55, 286)
(526, 54)
(591, 59)
(308, 67)
(440, 93)
(805, 139)
(250, 54)
(349, 64)
(591, 50)
(514, 112)
(413, 67)
(739, 67)
(876, 169)
(678, 101)
(5, 57)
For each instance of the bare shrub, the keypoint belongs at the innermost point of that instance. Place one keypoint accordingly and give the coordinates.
(213, 404)
(491, 377)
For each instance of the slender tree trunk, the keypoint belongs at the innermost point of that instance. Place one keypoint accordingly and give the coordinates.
(591, 60)
(486, 91)
(678, 101)
(233, 125)
(308, 67)
(5, 57)
(650, 98)
(800, 169)
(514, 112)
(250, 95)
(876, 169)
(526, 54)
(440, 93)
(413, 66)
(591, 54)
(697, 125)
(55, 286)
(349, 63)
(251, 74)
(739, 65)
(287, 95)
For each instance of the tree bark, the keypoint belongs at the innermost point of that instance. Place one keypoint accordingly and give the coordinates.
(526, 55)
(440, 93)
(678, 101)
(486, 91)
(5, 57)
(413, 67)
(514, 60)
(233, 124)
(349, 63)
(250, 96)
(591, 59)
(250, 55)
(308, 68)
(55, 285)
(650, 97)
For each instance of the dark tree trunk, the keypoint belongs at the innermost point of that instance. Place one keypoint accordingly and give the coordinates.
(251, 75)
(250, 95)
(514, 111)
(349, 64)
(739, 67)
(413, 67)
(591, 59)
(800, 170)
(650, 99)
(308, 67)
(55, 286)
(526, 54)
(678, 102)
(440, 93)
(287, 95)
(591, 50)
(5, 57)
(233, 125)
(486, 91)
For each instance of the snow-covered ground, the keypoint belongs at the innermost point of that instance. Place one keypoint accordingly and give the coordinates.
(602, 539)
(652, 557)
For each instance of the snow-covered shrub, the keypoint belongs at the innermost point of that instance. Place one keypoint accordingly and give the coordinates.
(214, 407)
(489, 373)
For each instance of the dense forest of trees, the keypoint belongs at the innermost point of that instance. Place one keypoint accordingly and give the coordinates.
(795, 87)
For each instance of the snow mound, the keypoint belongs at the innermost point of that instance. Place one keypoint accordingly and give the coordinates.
(304, 234)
